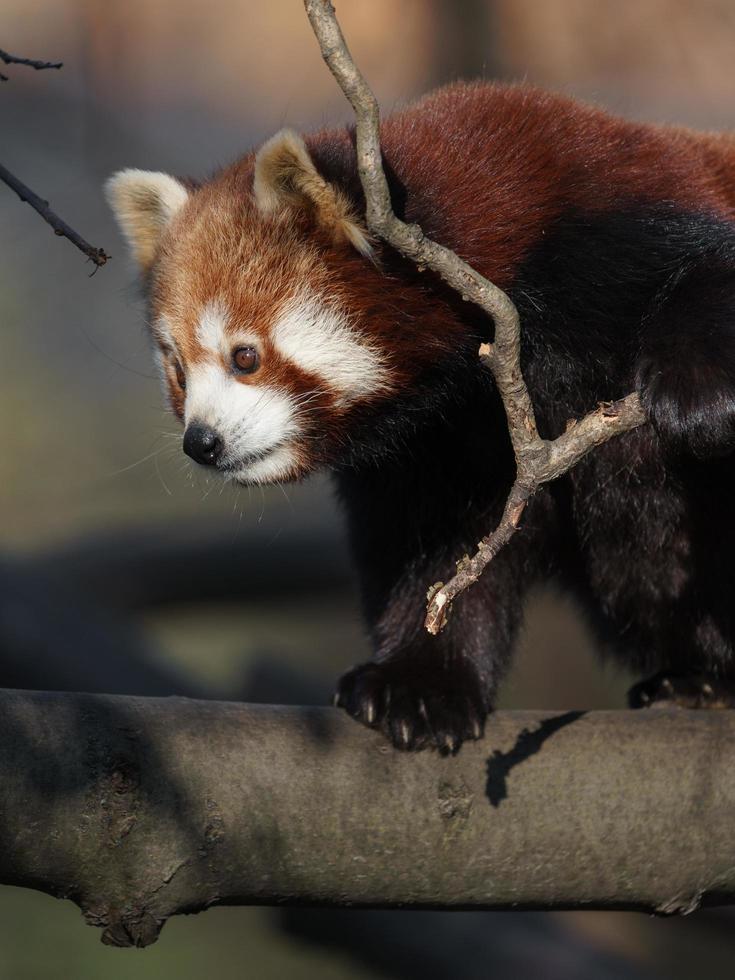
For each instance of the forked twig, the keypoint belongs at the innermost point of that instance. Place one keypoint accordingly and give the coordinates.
(537, 460)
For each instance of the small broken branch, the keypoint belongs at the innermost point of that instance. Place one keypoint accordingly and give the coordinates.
(537, 460)
(60, 227)
(11, 59)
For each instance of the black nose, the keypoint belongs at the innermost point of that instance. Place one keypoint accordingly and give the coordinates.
(202, 444)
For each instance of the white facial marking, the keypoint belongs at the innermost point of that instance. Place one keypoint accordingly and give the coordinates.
(163, 331)
(211, 331)
(276, 466)
(211, 328)
(253, 421)
(319, 338)
(258, 423)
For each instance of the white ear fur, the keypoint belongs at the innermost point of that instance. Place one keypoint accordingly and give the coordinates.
(285, 177)
(144, 202)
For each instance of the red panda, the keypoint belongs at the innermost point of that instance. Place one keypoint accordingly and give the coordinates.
(289, 340)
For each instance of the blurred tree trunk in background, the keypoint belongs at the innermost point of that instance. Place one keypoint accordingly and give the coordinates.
(465, 41)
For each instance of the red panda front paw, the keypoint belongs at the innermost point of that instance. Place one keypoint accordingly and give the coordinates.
(416, 707)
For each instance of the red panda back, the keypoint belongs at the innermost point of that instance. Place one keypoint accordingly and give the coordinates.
(489, 166)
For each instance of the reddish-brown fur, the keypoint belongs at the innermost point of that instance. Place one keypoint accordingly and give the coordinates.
(534, 157)
(525, 186)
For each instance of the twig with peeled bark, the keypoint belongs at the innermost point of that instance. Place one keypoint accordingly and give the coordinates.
(537, 460)
(60, 227)
(141, 808)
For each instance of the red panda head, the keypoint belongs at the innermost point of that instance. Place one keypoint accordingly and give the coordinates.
(275, 329)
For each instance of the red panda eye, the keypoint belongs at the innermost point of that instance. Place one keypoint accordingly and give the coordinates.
(180, 376)
(245, 360)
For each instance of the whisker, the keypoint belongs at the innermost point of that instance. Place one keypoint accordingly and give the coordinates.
(160, 477)
(138, 462)
(109, 357)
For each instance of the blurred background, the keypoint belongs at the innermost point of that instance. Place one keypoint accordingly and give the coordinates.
(124, 570)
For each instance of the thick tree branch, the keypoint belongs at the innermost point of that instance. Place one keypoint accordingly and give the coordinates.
(60, 227)
(141, 808)
(537, 460)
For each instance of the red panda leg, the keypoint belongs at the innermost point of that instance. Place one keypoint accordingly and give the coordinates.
(686, 367)
(422, 690)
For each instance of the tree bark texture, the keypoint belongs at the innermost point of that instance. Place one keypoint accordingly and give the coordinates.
(140, 808)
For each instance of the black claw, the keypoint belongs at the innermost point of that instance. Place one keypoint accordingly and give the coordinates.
(683, 691)
(413, 708)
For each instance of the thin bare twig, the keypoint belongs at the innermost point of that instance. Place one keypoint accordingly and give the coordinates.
(537, 460)
(11, 59)
(60, 227)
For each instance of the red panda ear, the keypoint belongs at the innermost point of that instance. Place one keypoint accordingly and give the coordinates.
(144, 202)
(285, 177)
